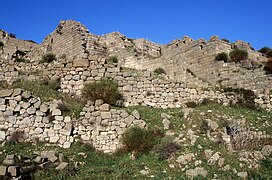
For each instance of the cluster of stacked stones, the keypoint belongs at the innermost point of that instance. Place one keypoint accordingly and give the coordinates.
(21, 167)
(104, 126)
(26, 118)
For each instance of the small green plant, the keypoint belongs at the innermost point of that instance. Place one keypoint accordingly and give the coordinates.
(1, 44)
(138, 140)
(48, 58)
(268, 66)
(112, 59)
(238, 55)
(222, 57)
(105, 89)
(159, 71)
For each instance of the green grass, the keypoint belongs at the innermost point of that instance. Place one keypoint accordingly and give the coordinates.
(152, 116)
(253, 118)
(46, 93)
(96, 165)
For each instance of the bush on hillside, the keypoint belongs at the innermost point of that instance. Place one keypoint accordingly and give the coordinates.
(112, 59)
(222, 57)
(166, 148)
(48, 58)
(12, 35)
(140, 141)
(266, 50)
(159, 71)
(1, 44)
(238, 55)
(105, 89)
(226, 40)
(268, 66)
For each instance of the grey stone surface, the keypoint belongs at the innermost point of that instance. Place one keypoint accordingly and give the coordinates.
(5, 93)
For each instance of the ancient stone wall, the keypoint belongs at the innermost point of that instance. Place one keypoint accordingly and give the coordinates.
(24, 117)
(71, 40)
(11, 45)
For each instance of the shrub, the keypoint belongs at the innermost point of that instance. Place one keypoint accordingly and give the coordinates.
(238, 55)
(226, 40)
(268, 66)
(112, 59)
(264, 50)
(166, 148)
(267, 51)
(191, 104)
(159, 71)
(244, 98)
(48, 58)
(105, 89)
(138, 140)
(12, 35)
(222, 57)
(17, 137)
(1, 44)
(21, 60)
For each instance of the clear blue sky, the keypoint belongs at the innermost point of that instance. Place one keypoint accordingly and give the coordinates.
(160, 21)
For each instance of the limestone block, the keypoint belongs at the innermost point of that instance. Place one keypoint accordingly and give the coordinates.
(56, 112)
(2, 101)
(59, 118)
(26, 95)
(25, 105)
(16, 92)
(3, 170)
(5, 93)
(13, 170)
(136, 114)
(129, 120)
(54, 139)
(43, 108)
(81, 63)
(105, 115)
(3, 107)
(61, 166)
(127, 88)
(66, 145)
(2, 135)
(104, 107)
(38, 130)
(31, 110)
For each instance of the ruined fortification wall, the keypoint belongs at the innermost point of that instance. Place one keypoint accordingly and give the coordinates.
(70, 40)
(198, 57)
(11, 45)
(32, 120)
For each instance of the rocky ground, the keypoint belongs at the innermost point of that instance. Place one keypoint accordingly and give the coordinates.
(214, 142)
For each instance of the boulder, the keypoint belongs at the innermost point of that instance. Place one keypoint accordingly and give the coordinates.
(198, 171)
